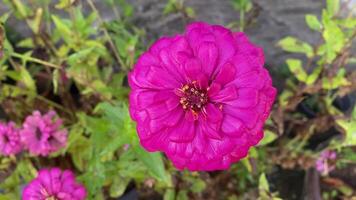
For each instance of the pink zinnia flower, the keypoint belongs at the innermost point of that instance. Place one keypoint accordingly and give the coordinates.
(201, 97)
(10, 142)
(53, 184)
(42, 134)
(326, 162)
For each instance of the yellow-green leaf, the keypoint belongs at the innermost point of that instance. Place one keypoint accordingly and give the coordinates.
(295, 66)
(295, 45)
(313, 22)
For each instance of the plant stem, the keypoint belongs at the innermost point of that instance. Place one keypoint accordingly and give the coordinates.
(35, 60)
(116, 53)
(56, 105)
(242, 20)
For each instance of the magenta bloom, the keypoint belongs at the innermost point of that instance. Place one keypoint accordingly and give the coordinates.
(53, 184)
(42, 134)
(10, 142)
(201, 97)
(326, 162)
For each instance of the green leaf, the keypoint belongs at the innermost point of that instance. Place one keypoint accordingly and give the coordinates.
(350, 129)
(182, 195)
(242, 5)
(81, 152)
(27, 79)
(64, 4)
(35, 22)
(269, 137)
(55, 79)
(198, 186)
(26, 43)
(4, 17)
(333, 36)
(190, 12)
(118, 186)
(338, 81)
(63, 29)
(295, 66)
(154, 163)
(313, 22)
(263, 183)
(333, 6)
(22, 10)
(314, 75)
(294, 45)
(169, 195)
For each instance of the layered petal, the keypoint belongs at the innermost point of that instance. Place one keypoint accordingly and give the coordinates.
(54, 183)
(201, 97)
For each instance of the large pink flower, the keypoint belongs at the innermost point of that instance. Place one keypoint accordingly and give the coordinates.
(10, 142)
(54, 184)
(201, 97)
(42, 134)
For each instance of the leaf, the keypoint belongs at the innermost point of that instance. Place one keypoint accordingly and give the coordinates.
(63, 29)
(55, 79)
(198, 186)
(21, 9)
(314, 75)
(335, 82)
(295, 66)
(64, 4)
(190, 12)
(2, 39)
(154, 163)
(27, 79)
(118, 186)
(294, 45)
(26, 43)
(350, 129)
(333, 36)
(263, 183)
(332, 6)
(182, 195)
(313, 22)
(126, 7)
(269, 137)
(35, 22)
(169, 195)
(242, 5)
(81, 152)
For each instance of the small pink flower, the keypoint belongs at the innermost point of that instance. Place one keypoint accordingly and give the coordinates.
(326, 162)
(201, 97)
(10, 142)
(42, 134)
(53, 184)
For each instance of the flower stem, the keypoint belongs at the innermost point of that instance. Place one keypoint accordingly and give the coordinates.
(35, 60)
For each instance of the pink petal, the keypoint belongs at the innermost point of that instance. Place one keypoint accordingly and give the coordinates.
(183, 132)
(208, 54)
(226, 74)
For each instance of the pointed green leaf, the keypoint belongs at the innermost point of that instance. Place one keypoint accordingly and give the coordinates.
(263, 183)
(313, 22)
(295, 66)
(295, 45)
(154, 163)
